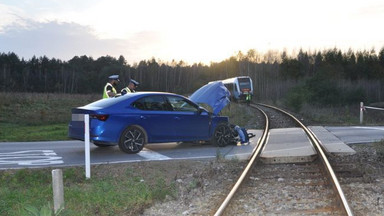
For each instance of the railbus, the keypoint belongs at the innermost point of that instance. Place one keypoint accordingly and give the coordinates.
(239, 87)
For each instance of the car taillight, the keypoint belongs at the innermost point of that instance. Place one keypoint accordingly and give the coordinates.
(99, 117)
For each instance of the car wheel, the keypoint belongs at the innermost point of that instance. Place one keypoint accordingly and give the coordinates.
(222, 135)
(132, 140)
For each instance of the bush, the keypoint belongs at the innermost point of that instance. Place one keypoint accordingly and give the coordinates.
(323, 91)
(296, 98)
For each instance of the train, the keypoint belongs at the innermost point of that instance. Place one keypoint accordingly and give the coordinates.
(239, 87)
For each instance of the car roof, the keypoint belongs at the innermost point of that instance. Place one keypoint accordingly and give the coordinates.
(149, 93)
(130, 97)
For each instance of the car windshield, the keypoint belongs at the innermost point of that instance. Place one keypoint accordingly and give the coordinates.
(181, 104)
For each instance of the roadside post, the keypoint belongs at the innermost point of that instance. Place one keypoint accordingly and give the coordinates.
(58, 190)
(87, 147)
(363, 108)
(361, 112)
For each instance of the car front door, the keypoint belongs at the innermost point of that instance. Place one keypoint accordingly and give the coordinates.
(189, 122)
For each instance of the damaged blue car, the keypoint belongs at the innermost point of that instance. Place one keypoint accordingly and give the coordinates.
(133, 120)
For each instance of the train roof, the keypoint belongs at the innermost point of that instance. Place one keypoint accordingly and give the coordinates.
(230, 80)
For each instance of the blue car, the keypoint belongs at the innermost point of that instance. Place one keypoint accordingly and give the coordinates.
(133, 120)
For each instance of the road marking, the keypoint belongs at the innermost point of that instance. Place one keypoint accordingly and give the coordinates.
(370, 128)
(151, 155)
(30, 157)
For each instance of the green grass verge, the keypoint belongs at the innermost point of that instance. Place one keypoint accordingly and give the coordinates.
(37, 116)
(23, 133)
(40, 109)
(120, 192)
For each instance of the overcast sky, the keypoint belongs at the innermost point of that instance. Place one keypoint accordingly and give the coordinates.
(189, 30)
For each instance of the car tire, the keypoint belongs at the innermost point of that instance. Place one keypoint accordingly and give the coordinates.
(222, 135)
(132, 140)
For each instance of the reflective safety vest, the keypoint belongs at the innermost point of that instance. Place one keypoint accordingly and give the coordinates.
(105, 94)
(126, 90)
(247, 96)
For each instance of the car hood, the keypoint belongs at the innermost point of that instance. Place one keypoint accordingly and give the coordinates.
(215, 94)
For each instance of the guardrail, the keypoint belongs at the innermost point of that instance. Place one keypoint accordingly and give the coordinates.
(364, 108)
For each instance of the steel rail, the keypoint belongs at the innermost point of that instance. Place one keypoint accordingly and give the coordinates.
(316, 144)
(256, 152)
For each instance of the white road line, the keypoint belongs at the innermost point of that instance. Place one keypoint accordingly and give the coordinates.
(29, 152)
(152, 155)
(31, 157)
(370, 128)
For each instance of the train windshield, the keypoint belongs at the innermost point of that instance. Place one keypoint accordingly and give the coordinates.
(244, 83)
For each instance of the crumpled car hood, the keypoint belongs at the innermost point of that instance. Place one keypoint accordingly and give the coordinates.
(215, 94)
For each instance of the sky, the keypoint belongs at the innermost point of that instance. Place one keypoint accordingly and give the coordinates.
(190, 30)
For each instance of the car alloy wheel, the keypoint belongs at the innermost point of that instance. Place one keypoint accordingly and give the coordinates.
(222, 135)
(132, 140)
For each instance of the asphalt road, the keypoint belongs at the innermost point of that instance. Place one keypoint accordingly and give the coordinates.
(14, 155)
(358, 134)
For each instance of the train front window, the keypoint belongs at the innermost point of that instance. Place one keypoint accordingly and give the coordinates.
(244, 83)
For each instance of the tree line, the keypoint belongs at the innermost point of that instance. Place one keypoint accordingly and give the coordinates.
(275, 74)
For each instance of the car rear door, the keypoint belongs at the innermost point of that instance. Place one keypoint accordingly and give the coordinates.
(156, 118)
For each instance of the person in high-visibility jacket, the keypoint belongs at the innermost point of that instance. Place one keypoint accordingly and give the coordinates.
(132, 85)
(248, 97)
(109, 88)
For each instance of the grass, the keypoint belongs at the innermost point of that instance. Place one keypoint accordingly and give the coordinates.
(239, 114)
(347, 115)
(18, 132)
(118, 192)
(37, 116)
(336, 115)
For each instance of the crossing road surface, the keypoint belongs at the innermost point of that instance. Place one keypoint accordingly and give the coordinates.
(71, 153)
(358, 134)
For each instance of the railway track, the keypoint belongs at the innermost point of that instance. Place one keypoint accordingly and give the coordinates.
(300, 189)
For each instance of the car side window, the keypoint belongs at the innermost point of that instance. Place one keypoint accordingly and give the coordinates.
(153, 103)
(181, 104)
